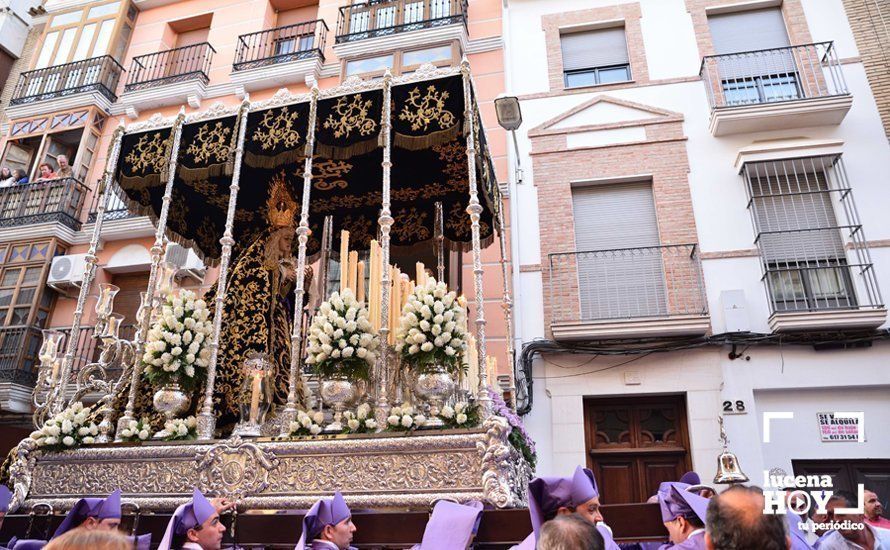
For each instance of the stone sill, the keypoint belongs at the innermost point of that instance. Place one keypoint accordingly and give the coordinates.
(847, 319)
(801, 113)
(677, 325)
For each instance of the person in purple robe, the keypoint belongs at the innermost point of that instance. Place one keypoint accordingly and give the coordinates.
(550, 496)
(141, 542)
(452, 526)
(327, 526)
(683, 514)
(195, 525)
(93, 513)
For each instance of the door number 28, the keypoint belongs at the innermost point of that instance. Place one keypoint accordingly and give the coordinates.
(734, 407)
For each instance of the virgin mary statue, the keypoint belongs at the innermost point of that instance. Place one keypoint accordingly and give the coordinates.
(258, 315)
(258, 310)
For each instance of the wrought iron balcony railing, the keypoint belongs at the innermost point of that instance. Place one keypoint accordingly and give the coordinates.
(18, 354)
(170, 66)
(99, 74)
(116, 209)
(59, 200)
(386, 17)
(768, 76)
(280, 45)
(626, 283)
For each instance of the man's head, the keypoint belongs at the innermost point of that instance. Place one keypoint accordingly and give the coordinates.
(62, 160)
(209, 534)
(551, 497)
(93, 514)
(873, 507)
(107, 524)
(329, 520)
(570, 532)
(339, 533)
(682, 511)
(735, 519)
(844, 499)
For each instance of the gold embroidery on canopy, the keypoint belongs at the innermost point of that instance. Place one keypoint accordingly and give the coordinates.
(409, 225)
(424, 111)
(212, 143)
(328, 174)
(359, 230)
(273, 132)
(458, 221)
(149, 157)
(352, 116)
(454, 155)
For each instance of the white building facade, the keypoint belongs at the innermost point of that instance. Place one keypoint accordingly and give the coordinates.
(701, 230)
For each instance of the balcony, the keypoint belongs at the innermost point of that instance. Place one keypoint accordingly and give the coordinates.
(90, 82)
(817, 268)
(377, 25)
(164, 78)
(779, 88)
(52, 201)
(18, 358)
(280, 56)
(627, 293)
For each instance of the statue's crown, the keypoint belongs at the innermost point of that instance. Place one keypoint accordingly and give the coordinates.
(280, 206)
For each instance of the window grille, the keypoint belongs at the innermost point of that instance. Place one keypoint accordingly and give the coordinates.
(811, 261)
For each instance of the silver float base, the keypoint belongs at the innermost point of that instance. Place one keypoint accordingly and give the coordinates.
(379, 471)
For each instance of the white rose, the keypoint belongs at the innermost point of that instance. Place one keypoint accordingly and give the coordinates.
(177, 351)
(126, 433)
(353, 424)
(393, 420)
(447, 411)
(335, 354)
(306, 421)
(68, 441)
(348, 351)
(362, 352)
(67, 427)
(143, 434)
(83, 431)
(424, 325)
(449, 351)
(89, 440)
(318, 417)
(371, 424)
(413, 349)
(315, 429)
(407, 421)
(426, 346)
(438, 307)
(50, 440)
(420, 420)
(461, 418)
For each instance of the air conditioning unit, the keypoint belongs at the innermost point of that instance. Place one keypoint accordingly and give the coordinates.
(66, 272)
(187, 261)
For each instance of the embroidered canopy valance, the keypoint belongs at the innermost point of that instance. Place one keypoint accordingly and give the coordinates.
(428, 152)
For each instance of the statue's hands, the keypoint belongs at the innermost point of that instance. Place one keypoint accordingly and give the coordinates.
(288, 271)
(222, 504)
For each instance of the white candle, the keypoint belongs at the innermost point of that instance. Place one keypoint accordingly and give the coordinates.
(473, 364)
(352, 273)
(421, 274)
(255, 388)
(344, 259)
(55, 373)
(360, 282)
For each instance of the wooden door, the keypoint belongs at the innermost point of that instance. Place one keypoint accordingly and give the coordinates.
(846, 475)
(634, 444)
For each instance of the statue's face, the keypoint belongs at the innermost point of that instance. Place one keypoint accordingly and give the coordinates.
(285, 242)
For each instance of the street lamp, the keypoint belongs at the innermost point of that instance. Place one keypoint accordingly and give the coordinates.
(510, 118)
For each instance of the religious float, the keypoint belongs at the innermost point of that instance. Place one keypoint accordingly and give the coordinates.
(295, 374)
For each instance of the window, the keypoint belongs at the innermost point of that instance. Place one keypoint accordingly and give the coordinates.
(594, 57)
(619, 266)
(24, 300)
(756, 64)
(805, 262)
(402, 62)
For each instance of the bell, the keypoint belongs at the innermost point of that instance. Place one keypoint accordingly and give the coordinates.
(728, 469)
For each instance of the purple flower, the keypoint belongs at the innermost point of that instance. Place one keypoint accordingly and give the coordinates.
(501, 408)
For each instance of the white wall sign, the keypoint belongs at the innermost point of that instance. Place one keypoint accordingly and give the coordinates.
(838, 428)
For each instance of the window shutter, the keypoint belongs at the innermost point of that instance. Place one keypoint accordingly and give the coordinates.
(776, 209)
(620, 283)
(748, 30)
(590, 49)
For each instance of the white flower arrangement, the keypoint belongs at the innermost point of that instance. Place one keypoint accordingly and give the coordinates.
(179, 429)
(360, 421)
(341, 340)
(69, 429)
(307, 424)
(461, 415)
(177, 348)
(136, 430)
(405, 418)
(432, 328)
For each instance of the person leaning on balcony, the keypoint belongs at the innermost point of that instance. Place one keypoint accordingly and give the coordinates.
(7, 179)
(20, 176)
(45, 172)
(64, 170)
